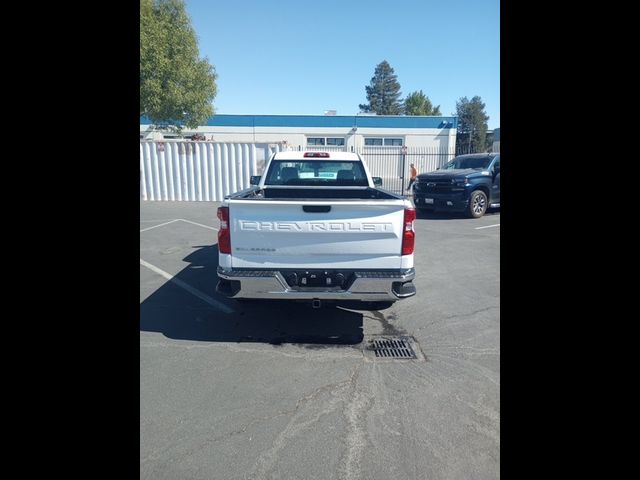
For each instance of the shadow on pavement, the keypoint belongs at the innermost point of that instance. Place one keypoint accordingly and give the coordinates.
(178, 314)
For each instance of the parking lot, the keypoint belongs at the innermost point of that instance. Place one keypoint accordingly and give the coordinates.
(234, 390)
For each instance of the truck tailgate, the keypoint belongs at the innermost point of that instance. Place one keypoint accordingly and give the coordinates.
(316, 234)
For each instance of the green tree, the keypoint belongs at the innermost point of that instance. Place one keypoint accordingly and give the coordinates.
(472, 125)
(383, 93)
(176, 86)
(417, 103)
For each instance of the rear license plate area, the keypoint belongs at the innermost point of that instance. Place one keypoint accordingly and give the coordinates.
(315, 279)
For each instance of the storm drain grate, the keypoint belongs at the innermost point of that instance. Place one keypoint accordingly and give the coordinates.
(391, 347)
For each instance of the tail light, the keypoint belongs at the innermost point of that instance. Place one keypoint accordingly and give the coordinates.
(408, 235)
(224, 234)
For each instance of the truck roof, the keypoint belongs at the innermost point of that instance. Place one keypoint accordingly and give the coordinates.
(299, 155)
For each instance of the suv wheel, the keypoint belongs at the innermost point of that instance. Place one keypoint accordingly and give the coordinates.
(477, 204)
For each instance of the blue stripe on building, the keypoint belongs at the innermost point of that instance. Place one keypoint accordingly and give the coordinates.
(326, 121)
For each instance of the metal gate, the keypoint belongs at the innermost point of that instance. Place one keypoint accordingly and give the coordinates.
(387, 163)
(392, 164)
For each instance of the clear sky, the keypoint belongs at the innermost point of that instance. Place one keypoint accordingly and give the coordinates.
(286, 57)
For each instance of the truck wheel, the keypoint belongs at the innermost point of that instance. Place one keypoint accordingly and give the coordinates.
(477, 204)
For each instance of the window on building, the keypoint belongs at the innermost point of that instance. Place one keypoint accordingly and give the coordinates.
(332, 141)
(379, 142)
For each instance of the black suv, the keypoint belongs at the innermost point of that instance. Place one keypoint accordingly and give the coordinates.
(468, 183)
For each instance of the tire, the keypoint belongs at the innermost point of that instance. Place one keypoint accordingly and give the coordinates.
(478, 204)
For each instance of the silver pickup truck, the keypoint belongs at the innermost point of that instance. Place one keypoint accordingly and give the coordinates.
(315, 228)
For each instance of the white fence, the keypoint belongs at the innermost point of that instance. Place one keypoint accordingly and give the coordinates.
(199, 171)
(207, 171)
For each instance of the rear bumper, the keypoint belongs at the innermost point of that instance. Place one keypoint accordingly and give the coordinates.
(366, 285)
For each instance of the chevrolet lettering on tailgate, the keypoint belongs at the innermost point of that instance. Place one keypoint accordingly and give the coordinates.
(316, 226)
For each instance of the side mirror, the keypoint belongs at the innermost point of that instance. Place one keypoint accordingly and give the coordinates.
(254, 180)
(377, 181)
(496, 169)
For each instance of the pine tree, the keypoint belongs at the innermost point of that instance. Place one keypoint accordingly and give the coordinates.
(383, 93)
(417, 103)
(472, 125)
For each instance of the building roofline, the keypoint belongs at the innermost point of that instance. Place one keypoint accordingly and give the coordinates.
(323, 121)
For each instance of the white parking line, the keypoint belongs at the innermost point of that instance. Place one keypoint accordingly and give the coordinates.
(488, 226)
(161, 225)
(198, 224)
(187, 287)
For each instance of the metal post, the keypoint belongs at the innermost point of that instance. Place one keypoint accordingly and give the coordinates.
(403, 172)
(403, 150)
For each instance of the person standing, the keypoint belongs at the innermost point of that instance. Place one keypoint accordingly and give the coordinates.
(414, 174)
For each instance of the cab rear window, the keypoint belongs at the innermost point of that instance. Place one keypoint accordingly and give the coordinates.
(316, 173)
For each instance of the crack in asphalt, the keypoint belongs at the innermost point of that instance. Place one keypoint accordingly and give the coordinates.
(267, 460)
(355, 412)
(300, 402)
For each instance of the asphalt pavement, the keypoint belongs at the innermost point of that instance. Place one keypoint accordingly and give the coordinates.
(265, 390)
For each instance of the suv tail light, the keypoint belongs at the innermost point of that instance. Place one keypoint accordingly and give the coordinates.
(224, 234)
(408, 235)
